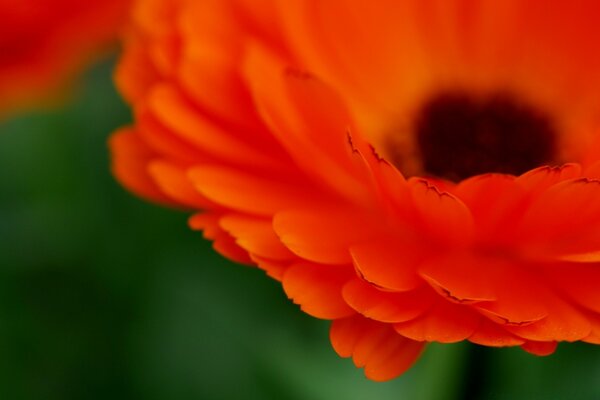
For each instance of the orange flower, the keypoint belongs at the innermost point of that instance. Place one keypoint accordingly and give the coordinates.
(43, 42)
(384, 160)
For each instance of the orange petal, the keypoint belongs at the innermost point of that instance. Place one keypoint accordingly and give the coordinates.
(179, 116)
(308, 118)
(387, 264)
(223, 242)
(539, 348)
(563, 221)
(174, 181)
(212, 51)
(274, 269)
(593, 170)
(495, 202)
(255, 236)
(489, 333)
(207, 222)
(375, 346)
(540, 179)
(563, 322)
(394, 192)
(246, 192)
(225, 245)
(594, 336)
(323, 234)
(134, 74)
(445, 322)
(462, 278)
(163, 141)
(386, 306)
(131, 158)
(440, 215)
(157, 19)
(370, 50)
(517, 295)
(580, 281)
(318, 289)
(500, 289)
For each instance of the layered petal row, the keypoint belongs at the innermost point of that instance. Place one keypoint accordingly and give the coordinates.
(268, 120)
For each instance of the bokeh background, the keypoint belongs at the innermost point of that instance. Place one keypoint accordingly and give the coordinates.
(103, 296)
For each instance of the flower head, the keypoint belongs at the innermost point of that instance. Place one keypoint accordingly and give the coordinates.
(43, 42)
(414, 171)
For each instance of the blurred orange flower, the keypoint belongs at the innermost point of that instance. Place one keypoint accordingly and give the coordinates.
(44, 42)
(385, 160)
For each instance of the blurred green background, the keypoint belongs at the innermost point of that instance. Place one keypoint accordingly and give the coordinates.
(103, 296)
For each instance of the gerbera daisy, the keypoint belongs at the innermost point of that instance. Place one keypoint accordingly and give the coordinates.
(414, 171)
(44, 42)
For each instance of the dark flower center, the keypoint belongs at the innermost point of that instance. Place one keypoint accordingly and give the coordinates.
(459, 136)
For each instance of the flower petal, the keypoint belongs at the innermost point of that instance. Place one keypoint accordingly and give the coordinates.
(538, 180)
(440, 215)
(489, 333)
(539, 348)
(174, 182)
(563, 221)
(563, 322)
(308, 118)
(256, 236)
(207, 222)
(274, 269)
(318, 289)
(593, 170)
(495, 201)
(246, 192)
(580, 281)
(375, 346)
(225, 245)
(445, 322)
(178, 115)
(386, 306)
(463, 278)
(323, 234)
(130, 159)
(387, 264)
